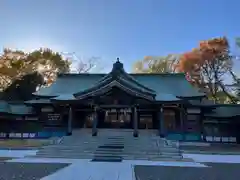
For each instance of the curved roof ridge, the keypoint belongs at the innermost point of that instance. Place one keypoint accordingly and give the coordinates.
(158, 74)
(118, 73)
(132, 79)
(107, 87)
(132, 74)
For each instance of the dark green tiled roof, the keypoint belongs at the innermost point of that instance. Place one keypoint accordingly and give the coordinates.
(64, 97)
(118, 78)
(21, 109)
(38, 101)
(144, 85)
(4, 107)
(174, 84)
(167, 98)
(204, 102)
(17, 109)
(225, 111)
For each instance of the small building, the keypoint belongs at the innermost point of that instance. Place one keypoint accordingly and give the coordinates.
(165, 102)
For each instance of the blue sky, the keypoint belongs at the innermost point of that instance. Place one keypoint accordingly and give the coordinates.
(129, 29)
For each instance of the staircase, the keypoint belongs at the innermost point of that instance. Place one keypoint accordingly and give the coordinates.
(112, 145)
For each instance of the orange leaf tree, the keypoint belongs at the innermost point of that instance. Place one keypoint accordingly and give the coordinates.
(207, 65)
(18, 71)
(156, 64)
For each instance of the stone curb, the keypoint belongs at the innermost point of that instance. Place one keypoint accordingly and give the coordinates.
(209, 153)
(23, 148)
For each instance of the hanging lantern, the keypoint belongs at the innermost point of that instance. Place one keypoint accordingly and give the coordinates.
(125, 112)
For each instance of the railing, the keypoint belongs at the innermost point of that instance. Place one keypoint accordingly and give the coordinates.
(222, 139)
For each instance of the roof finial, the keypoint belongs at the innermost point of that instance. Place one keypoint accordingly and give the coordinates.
(117, 59)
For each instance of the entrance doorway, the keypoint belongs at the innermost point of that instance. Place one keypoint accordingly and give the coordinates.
(117, 119)
(146, 121)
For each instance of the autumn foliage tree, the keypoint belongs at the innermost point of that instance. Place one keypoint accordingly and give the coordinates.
(156, 64)
(235, 77)
(19, 70)
(206, 66)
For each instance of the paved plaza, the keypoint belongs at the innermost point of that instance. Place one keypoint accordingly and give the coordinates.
(28, 171)
(214, 171)
(75, 169)
(115, 156)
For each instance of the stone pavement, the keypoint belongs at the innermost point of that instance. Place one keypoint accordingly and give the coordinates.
(214, 171)
(28, 171)
(211, 148)
(75, 169)
(86, 169)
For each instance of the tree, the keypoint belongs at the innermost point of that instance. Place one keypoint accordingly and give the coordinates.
(236, 80)
(207, 65)
(22, 89)
(16, 65)
(87, 66)
(83, 65)
(152, 64)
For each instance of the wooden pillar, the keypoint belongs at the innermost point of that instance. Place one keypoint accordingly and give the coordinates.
(95, 122)
(135, 122)
(70, 116)
(159, 117)
(201, 123)
(183, 120)
(161, 123)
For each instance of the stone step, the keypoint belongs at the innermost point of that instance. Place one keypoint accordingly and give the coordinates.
(123, 158)
(153, 158)
(125, 141)
(96, 156)
(112, 154)
(101, 144)
(170, 159)
(121, 150)
(112, 144)
(79, 155)
(110, 150)
(106, 160)
(121, 153)
(107, 149)
(126, 144)
(105, 141)
(110, 147)
(59, 156)
(94, 146)
(115, 140)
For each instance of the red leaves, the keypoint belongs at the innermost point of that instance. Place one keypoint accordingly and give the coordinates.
(212, 48)
(207, 52)
(188, 61)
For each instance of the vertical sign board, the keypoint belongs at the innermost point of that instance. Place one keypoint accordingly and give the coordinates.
(193, 118)
(50, 117)
(53, 119)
